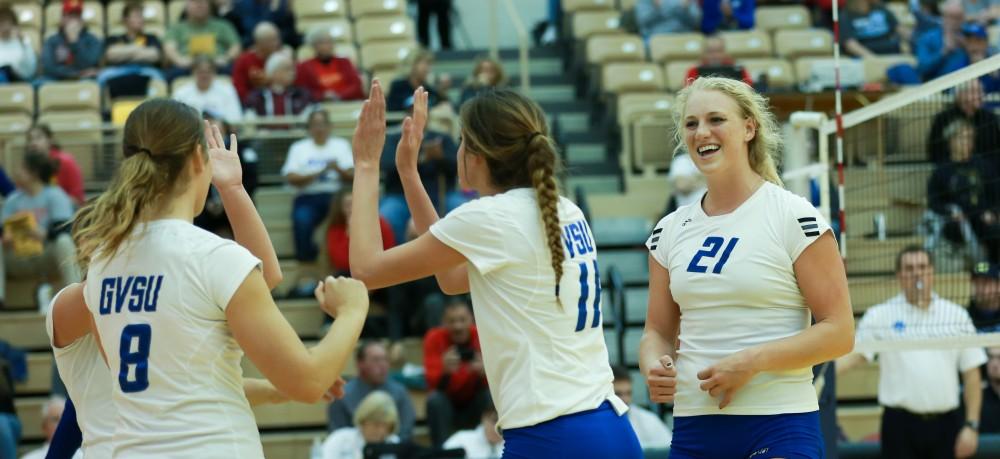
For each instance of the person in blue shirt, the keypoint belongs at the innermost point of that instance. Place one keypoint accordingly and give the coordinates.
(954, 46)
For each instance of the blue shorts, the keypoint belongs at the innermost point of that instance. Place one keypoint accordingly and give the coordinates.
(789, 436)
(598, 433)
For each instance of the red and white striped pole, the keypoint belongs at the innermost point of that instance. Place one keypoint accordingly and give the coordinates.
(839, 119)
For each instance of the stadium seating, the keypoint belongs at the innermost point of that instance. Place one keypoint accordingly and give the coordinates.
(748, 43)
(792, 44)
(13, 126)
(339, 28)
(362, 8)
(675, 72)
(75, 95)
(29, 15)
(631, 77)
(668, 48)
(778, 71)
(17, 99)
(93, 16)
(778, 18)
(573, 6)
(320, 9)
(386, 55)
(378, 28)
(606, 49)
(589, 23)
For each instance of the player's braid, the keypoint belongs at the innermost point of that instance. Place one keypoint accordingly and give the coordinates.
(541, 163)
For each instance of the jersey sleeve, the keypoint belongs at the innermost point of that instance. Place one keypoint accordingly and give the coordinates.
(657, 244)
(474, 232)
(802, 225)
(224, 268)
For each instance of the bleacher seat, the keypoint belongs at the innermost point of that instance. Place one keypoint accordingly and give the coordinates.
(780, 74)
(872, 256)
(676, 72)
(79, 132)
(858, 422)
(626, 5)
(379, 28)
(589, 23)
(877, 66)
(29, 411)
(290, 415)
(17, 98)
(676, 46)
(631, 77)
(318, 9)
(29, 15)
(386, 55)
(39, 379)
(93, 16)
(605, 49)
(792, 44)
(153, 13)
(176, 7)
(785, 17)
(25, 330)
(632, 108)
(340, 28)
(76, 95)
(747, 43)
(13, 126)
(362, 8)
(573, 6)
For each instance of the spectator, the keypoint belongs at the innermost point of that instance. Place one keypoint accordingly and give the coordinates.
(401, 89)
(17, 58)
(650, 429)
(209, 92)
(373, 376)
(991, 393)
(438, 170)
(327, 76)
(10, 425)
(919, 390)
(953, 46)
(51, 414)
(869, 28)
(713, 58)
(962, 198)
(133, 53)
(454, 364)
(280, 97)
(441, 9)
(317, 166)
(200, 34)
(667, 16)
(278, 12)
(337, 240)
(984, 12)
(968, 106)
(487, 74)
(248, 70)
(377, 421)
(984, 308)
(686, 181)
(72, 53)
(927, 15)
(68, 174)
(36, 239)
(727, 15)
(483, 442)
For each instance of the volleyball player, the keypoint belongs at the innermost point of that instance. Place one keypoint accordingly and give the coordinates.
(528, 258)
(734, 279)
(174, 307)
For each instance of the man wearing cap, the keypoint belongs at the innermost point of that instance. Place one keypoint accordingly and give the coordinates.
(984, 308)
(953, 46)
(73, 52)
(919, 389)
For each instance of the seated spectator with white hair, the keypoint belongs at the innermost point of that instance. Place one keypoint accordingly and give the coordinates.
(248, 69)
(52, 412)
(207, 91)
(375, 422)
(280, 97)
(327, 76)
(17, 60)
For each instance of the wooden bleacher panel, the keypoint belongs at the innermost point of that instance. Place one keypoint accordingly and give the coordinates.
(866, 256)
(380, 28)
(25, 330)
(340, 28)
(587, 24)
(747, 43)
(363, 8)
(304, 315)
(79, 133)
(39, 375)
(676, 72)
(869, 291)
(877, 66)
(858, 422)
(654, 139)
(275, 207)
(630, 108)
(13, 126)
(290, 415)
(906, 131)
(29, 15)
(859, 383)
(314, 9)
(386, 55)
(780, 74)
(93, 16)
(620, 78)
(773, 18)
(605, 49)
(903, 14)
(793, 44)
(667, 48)
(17, 98)
(61, 96)
(573, 6)
(290, 444)
(626, 5)
(29, 411)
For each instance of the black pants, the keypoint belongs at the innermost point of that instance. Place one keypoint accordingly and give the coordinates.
(441, 9)
(907, 435)
(444, 416)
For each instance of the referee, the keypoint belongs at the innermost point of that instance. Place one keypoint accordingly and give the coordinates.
(918, 389)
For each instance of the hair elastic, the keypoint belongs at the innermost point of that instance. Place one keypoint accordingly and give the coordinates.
(132, 150)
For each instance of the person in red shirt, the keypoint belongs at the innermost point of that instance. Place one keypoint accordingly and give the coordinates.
(714, 55)
(453, 363)
(338, 239)
(326, 76)
(248, 69)
(68, 175)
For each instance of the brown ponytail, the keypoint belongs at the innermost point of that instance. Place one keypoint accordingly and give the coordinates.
(510, 132)
(159, 138)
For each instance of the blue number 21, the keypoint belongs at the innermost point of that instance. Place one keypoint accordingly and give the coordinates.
(709, 250)
(142, 334)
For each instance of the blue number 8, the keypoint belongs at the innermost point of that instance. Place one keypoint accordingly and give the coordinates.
(140, 358)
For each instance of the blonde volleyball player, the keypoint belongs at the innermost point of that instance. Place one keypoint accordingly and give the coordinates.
(528, 258)
(174, 307)
(733, 280)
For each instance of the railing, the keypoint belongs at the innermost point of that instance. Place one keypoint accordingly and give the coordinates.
(524, 59)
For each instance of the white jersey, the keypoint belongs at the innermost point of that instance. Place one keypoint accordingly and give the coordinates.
(732, 276)
(83, 371)
(544, 357)
(159, 305)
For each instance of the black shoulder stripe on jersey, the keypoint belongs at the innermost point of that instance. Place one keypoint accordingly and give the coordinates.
(655, 239)
(807, 219)
(657, 231)
(812, 233)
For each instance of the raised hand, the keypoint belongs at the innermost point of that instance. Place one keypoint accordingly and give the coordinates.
(408, 149)
(226, 170)
(369, 135)
(342, 295)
